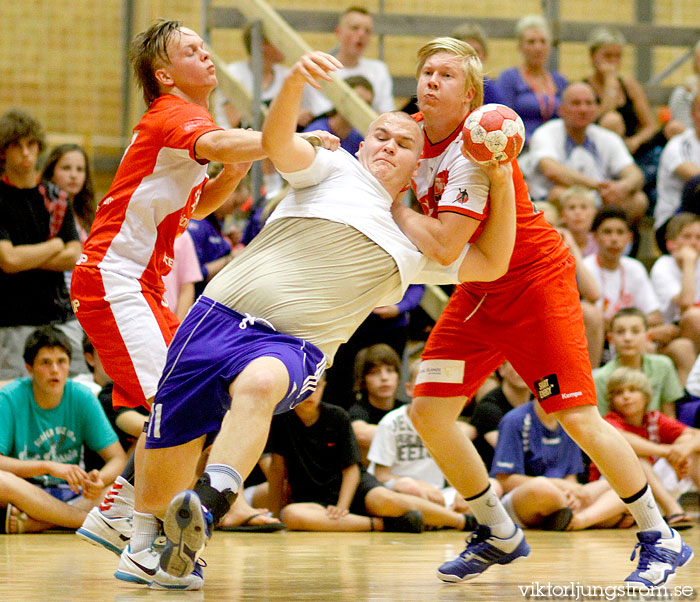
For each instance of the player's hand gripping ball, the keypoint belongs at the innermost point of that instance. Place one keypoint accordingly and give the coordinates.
(493, 132)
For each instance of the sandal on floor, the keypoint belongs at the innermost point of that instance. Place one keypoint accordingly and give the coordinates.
(680, 521)
(20, 519)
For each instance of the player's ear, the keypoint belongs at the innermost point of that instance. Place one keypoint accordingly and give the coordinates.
(357, 154)
(164, 77)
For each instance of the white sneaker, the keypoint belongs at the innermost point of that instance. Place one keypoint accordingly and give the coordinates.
(144, 568)
(109, 524)
(658, 559)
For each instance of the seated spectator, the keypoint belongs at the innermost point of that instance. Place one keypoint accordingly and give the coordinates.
(67, 166)
(680, 103)
(335, 123)
(214, 245)
(402, 463)
(354, 33)
(676, 276)
(577, 208)
(573, 150)
(387, 324)
(657, 439)
(587, 286)
(45, 421)
(315, 447)
(624, 107)
(624, 282)
(488, 413)
(532, 90)
(537, 464)
(273, 74)
(38, 242)
(628, 334)
(678, 166)
(126, 422)
(688, 408)
(184, 274)
(377, 374)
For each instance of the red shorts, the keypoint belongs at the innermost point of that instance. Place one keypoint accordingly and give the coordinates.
(130, 329)
(536, 324)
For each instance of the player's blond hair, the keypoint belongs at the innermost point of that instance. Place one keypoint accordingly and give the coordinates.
(471, 64)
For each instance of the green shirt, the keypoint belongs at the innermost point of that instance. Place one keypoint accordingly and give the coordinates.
(661, 373)
(28, 432)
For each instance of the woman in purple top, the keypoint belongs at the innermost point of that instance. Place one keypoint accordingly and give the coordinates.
(532, 90)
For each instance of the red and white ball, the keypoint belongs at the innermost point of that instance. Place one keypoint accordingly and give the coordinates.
(493, 131)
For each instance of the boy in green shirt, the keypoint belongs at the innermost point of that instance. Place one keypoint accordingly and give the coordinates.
(45, 420)
(628, 333)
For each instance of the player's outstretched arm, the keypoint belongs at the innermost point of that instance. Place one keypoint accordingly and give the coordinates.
(285, 149)
(230, 146)
(489, 256)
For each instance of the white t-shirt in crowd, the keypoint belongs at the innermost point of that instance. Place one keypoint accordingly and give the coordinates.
(683, 148)
(666, 280)
(627, 286)
(378, 75)
(602, 156)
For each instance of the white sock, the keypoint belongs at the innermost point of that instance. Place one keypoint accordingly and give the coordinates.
(145, 529)
(646, 512)
(488, 510)
(222, 477)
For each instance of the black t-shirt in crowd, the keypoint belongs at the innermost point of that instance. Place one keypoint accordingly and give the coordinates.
(31, 297)
(315, 455)
(365, 411)
(487, 416)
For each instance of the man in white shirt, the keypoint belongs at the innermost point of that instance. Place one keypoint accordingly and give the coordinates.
(573, 150)
(679, 162)
(354, 32)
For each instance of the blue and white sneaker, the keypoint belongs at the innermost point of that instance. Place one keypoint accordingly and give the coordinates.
(188, 527)
(111, 533)
(658, 559)
(483, 550)
(144, 568)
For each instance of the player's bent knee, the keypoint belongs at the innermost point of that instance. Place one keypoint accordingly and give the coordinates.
(265, 378)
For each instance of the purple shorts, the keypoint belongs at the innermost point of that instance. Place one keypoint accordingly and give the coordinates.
(213, 346)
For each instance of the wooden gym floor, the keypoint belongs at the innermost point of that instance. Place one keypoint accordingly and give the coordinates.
(332, 567)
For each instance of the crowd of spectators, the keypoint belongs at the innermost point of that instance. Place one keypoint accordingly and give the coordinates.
(596, 158)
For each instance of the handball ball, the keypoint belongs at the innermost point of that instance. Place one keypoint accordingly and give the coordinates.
(493, 131)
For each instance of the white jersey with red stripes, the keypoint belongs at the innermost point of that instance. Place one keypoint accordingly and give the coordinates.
(154, 193)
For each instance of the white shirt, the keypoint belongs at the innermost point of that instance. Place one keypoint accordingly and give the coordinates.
(627, 286)
(337, 187)
(396, 444)
(602, 156)
(378, 75)
(683, 148)
(311, 100)
(666, 280)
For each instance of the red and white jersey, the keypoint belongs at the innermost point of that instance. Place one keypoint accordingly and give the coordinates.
(447, 181)
(153, 195)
